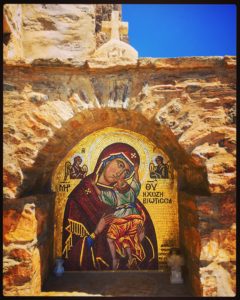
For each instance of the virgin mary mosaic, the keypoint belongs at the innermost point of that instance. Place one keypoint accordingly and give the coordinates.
(104, 221)
(111, 213)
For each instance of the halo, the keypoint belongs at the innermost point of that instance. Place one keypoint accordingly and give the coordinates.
(115, 154)
(75, 155)
(121, 135)
(165, 158)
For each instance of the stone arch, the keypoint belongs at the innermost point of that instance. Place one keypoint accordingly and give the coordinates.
(193, 176)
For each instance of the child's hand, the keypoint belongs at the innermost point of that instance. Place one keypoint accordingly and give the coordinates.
(93, 182)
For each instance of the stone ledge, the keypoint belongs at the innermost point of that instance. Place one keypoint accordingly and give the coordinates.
(190, 62)
(178, 63)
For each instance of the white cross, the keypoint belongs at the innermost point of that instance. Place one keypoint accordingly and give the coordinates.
(114, 26)
(87, 191)
(133, 155)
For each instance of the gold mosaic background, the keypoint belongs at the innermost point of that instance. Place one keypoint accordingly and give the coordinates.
(159, 196)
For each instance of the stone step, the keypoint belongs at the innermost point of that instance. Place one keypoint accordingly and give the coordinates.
(120, 283)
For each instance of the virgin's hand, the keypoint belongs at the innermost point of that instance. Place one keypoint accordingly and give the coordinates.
(105, 219)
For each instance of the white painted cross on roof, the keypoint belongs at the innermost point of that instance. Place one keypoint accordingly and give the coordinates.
(115, 26)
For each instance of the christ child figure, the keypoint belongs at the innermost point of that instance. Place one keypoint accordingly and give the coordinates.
(125, 232)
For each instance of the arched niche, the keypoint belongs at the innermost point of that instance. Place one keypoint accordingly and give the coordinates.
(158, 193)
(192, 176)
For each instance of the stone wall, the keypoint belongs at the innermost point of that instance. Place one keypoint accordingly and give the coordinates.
(169, 93)
(56, 30)
(208, 240)
(12, 32)
(48, 102)
(69, 32)
(28, 242)
(217, 226)
(190, 240)
(165, 92)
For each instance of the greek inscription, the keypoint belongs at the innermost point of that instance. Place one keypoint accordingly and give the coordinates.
(152, 194)
(150, 186)
(157, 200)
(63, 187)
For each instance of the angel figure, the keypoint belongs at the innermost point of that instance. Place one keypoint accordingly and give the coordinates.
(75, 171)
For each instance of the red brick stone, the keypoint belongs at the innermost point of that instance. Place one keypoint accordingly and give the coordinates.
(17, 275)
(11, 179)
(227, 210)
(10, 221)
(20, 254)
(206, 208)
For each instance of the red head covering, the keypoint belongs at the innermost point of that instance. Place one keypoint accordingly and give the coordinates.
(118, 150)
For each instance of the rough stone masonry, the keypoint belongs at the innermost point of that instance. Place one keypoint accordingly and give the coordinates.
(58, 67)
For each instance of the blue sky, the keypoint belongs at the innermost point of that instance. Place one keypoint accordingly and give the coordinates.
(175, 30)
